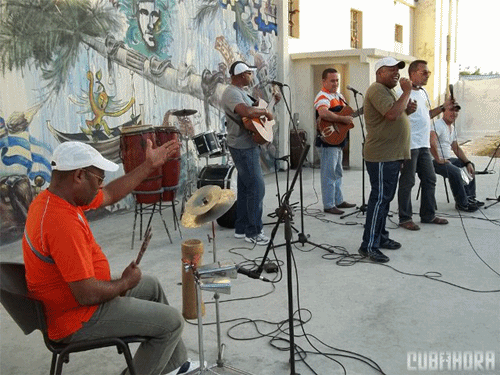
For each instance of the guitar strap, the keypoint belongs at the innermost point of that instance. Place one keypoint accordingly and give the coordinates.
(342, 100)
(240, 121)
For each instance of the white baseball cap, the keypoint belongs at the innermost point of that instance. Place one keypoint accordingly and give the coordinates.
(69, 156)
(239, 67)
(389, 61)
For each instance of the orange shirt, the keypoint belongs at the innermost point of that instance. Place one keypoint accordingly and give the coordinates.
(328, 99)
(59, 248)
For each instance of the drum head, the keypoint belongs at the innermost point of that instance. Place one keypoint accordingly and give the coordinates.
(207, 144)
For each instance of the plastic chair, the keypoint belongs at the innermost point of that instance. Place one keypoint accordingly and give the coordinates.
(29, 315)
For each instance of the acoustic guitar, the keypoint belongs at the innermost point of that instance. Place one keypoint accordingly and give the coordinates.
(334, 133)
(261, 127)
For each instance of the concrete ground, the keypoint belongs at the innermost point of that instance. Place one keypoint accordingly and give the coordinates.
(437, 298)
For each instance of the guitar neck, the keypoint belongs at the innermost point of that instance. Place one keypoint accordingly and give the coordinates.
(271, 104)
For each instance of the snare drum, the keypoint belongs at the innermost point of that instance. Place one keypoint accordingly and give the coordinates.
(225, 176)
(207, 144)
(133, 153)
(171, 170)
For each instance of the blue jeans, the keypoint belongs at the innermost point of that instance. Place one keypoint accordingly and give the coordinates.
(384, 181)
(420, 163)
(144, 311)
(331, 176)
(461, 191)
(251, 190)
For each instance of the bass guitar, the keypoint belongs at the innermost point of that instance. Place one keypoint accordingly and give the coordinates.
(261, 127)
(334, 133)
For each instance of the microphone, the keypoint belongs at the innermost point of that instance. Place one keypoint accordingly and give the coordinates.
(356, 92)
(251, 274)
(277, 83)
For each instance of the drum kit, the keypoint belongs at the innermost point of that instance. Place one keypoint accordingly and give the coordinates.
(208, 145)
(207, 204)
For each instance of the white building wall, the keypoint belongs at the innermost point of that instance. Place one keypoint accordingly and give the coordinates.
(379, 19)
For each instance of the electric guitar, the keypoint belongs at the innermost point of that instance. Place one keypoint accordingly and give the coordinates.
(334, 133)
(261, 127)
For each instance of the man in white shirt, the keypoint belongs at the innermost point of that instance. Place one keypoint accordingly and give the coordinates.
(443, 145)
(421, 160)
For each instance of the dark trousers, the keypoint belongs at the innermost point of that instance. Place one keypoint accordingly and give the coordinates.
(251, 191)
(383, 181)
(461, 191)
(421, 164)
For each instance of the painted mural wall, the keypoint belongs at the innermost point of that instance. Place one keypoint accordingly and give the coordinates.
(96, 71)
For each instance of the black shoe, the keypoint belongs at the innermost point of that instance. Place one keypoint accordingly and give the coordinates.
(390, 245)
(475, 202)
(468, 208)
(374, 255)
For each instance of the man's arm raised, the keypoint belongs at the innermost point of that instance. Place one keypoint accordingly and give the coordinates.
(155, 158)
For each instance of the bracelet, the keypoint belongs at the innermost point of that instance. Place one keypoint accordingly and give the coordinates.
(468, 162)
(441, 107)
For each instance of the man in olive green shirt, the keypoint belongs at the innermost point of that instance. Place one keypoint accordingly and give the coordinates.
(387, 145)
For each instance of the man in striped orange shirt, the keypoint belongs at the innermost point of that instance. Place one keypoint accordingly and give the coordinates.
(327, 102)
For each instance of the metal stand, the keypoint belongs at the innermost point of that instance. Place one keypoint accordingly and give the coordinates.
(216, 284)
(188, 191)
(151, 209)
(363, 206)
(486, 171)
(492, 199)
(302, 237)
(285, 213)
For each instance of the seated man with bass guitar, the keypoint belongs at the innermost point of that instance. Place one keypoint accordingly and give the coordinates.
(244, 122)
(334, 119)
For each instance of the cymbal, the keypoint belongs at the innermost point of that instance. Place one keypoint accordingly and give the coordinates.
(226, 201)
(227, 197)
(203, 200)
(184, 112)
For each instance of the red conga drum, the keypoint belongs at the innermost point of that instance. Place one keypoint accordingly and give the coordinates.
(171, 170)
(133, 153)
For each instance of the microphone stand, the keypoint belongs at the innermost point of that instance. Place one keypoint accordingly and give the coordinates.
(492, 199)
(485, 171)
(302, 237)
(363, 206)
(285, 214)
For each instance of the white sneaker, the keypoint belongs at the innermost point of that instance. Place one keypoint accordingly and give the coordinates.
(242, 235)
(186, 367)
(260, 239)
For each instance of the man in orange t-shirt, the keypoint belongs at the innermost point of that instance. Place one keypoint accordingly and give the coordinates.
(67, 270)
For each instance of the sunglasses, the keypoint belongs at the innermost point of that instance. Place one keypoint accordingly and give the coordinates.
(100, 179)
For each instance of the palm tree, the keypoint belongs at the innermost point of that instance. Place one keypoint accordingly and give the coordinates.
(47, 34)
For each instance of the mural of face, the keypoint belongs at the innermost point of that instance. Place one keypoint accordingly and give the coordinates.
(147, 18)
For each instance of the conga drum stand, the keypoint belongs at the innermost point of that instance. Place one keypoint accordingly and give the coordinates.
(149, 208)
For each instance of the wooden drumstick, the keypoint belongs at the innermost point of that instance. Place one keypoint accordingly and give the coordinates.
(145, 243)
